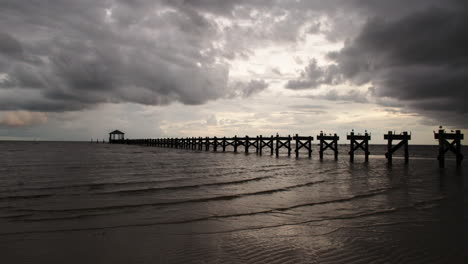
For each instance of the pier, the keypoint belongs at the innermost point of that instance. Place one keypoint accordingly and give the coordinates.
(448, 142)
(326, 142)
(445, 146)
(359, 142)
(404, 138)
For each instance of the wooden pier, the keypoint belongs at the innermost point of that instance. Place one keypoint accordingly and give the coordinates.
(328, 142)
(404, 138)
(283, 142)
(356, 145)
(303, 142)
(265, 143)
(274, 144)
(445, 145)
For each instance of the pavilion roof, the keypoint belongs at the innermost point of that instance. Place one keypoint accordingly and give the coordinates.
(118, 132)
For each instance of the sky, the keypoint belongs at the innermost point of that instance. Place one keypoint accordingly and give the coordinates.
(76, 70)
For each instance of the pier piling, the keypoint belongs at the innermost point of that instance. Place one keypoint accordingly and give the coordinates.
(404, 138)
(445, 145)
(356, 145)
(303, 142)
(325, 144)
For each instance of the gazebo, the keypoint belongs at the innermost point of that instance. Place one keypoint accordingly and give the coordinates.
(116, 135)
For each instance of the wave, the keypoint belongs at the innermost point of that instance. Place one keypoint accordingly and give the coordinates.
(146, 224)
(20, 197)
(186, 186)
(104, 185)
(349, 216)
(278, 209)
(214, 217)
(208, 199)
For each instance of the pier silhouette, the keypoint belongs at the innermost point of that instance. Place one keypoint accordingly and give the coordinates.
(275, 143)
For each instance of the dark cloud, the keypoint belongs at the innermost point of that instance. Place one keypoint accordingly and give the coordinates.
(62, 55)
(247, 89)
(9, 46)
(348, 96)
(313, 76)
(68, 55)
(419, 58)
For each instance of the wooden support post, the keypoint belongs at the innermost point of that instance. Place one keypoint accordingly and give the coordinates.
(215, 144)
(271, 145)
(297, 145)
(257, 142)
(321, 146)
(366, 146)
(404, 139)
(441, 149)
(303, 142)
(408, 137)
(355, 145)
(289, 145)
(458, 138)
(246, 145)
(235, 144)
(207, 144)
(351, 152)
(389, 147)
(224, 144)
(329, 142)
(260, 150)
(445, 145)
(309, 144)
(277, 145)
(335, 143)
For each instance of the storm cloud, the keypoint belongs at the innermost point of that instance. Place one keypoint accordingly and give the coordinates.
(64, 55)
(419, 58)
(69, 55)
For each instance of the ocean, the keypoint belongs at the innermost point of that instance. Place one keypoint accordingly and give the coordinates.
(78, 202)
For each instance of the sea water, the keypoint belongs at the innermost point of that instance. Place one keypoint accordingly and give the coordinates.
(65, 202)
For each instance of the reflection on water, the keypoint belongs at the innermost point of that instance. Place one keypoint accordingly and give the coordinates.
(119, 203)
